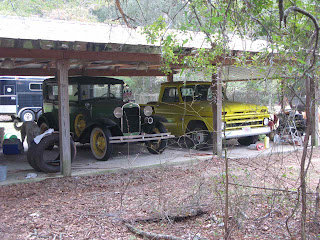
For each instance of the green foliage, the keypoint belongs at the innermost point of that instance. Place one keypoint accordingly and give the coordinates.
(57, 9)
(171, 46)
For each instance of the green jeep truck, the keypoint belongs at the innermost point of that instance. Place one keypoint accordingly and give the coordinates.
(100, 116)
(187, 108)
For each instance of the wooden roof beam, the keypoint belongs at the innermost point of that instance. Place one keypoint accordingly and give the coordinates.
(24, 63)
(80, 55)
(75, 72)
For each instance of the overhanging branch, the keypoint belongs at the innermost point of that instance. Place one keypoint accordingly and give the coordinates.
(313, 19)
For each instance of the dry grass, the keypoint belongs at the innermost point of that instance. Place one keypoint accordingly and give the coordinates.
(94, 207)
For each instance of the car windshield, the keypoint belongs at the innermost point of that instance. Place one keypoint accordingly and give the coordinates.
(89, 91)
(196, 93)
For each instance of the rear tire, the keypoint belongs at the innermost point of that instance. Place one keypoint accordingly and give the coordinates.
(40, 156)
(100, 146)
(246, 141)
(44, 127)
(27, 115)
(157, 146)
(32, 152)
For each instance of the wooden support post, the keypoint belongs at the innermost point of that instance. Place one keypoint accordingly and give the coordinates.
(64, 118)
(314, 111)
(170, 77)
(217, 113)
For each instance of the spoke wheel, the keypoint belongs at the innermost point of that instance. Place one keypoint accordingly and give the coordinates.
(157, 146)
(99, 143)
(79, 124)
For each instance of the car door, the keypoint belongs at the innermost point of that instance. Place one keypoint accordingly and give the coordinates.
(169, 107)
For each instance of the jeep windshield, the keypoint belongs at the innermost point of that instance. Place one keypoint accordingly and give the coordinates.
(196, 93)
(92, 91)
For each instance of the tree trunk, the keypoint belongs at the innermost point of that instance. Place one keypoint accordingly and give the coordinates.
(303, 162)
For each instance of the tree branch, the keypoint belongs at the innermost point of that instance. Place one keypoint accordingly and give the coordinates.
(281, 11)
(186, 214)
(150, 235)
(269, 189)
(304, 12)
(124, 16)
(315, 22)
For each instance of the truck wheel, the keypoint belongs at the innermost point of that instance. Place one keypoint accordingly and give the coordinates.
(200, 137)
(246, 141)
(101, 148)
(27, 115)
(157, 146)
(49, 162)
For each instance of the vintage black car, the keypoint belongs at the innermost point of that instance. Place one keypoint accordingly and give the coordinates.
(100, 116)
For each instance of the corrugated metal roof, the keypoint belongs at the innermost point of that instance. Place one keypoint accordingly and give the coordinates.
(58, 30)
(114, 42)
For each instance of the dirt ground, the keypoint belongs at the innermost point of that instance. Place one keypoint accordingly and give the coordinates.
(163, 200)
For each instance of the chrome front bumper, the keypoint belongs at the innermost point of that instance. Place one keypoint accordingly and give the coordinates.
(140, 138)
(245, 132)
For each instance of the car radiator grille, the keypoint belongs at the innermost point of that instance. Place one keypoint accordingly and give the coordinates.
(131, 120)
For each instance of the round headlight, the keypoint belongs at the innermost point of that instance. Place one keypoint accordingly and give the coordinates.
(266, 121)
(118, 113)
(148, 111)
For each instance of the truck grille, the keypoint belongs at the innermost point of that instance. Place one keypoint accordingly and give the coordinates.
(238, 122)
(131, 120)
(244, 124)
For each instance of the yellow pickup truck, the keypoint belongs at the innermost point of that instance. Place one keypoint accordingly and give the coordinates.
(188, 110)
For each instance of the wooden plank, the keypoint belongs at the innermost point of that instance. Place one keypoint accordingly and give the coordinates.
(37, 61)
(116, 72)
(81, 55)
(217, 113)
(64, 118)
(75, 72)
(6, 52)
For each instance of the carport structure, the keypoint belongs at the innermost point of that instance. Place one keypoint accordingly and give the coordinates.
(38, 47)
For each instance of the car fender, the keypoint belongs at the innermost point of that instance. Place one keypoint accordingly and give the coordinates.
(190, 122)
(156, 118)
